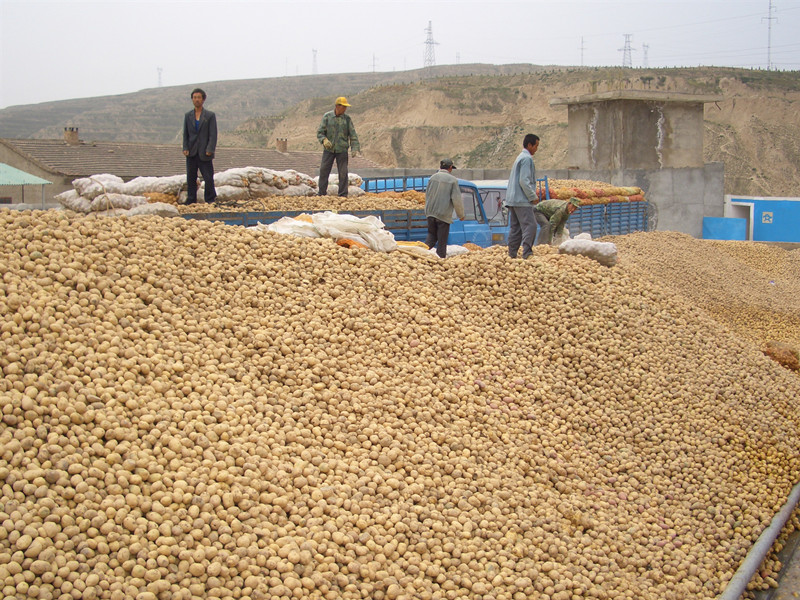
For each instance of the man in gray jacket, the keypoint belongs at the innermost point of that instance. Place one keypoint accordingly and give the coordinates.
(520, 198)
(199, 145)
(442, 197)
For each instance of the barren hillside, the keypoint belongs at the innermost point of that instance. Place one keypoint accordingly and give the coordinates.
(480, 120)
(475, 113)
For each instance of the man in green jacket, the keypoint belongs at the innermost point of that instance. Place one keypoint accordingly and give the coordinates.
(336, 133)
(551, 216)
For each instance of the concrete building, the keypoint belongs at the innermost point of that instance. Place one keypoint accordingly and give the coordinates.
(653, 140)
(62, 161)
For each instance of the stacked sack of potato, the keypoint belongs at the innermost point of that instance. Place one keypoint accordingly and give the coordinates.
(110, 195)
(593, 192)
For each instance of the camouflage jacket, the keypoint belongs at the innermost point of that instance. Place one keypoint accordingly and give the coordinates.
(339, 130)
(556, 212)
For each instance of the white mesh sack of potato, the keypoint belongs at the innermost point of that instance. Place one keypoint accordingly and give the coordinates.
(262, 190)
(297, 178)
(159, 185)
(232, 177)
(93, 186)
(73, 201)
(300, 189)
(603, 252)
(110, 201)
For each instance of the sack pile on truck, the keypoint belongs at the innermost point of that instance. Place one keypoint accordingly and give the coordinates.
(250, 183)
(103, 192)
(592, 192)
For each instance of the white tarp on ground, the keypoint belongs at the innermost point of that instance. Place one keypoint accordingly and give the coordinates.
(368, 231)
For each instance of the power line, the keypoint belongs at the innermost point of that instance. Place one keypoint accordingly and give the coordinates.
(769, 19)
(430, 57)
(739, 52)
(626, 51)
(314, 63)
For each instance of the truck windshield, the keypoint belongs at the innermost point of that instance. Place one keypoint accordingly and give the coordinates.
(472, 211)
(493, 205)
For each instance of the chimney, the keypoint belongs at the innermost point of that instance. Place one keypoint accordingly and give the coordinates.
(71, 136)
(282, 144)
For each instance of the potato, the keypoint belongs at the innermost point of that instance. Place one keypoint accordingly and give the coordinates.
(194, 410)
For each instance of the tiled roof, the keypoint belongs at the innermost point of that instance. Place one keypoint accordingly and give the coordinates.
(158, 160)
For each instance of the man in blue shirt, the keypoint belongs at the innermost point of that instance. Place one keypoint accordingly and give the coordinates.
(520, 199)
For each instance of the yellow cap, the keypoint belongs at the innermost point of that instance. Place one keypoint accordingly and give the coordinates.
(342, 101)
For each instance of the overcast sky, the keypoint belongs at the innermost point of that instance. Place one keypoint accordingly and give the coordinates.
(62, 49)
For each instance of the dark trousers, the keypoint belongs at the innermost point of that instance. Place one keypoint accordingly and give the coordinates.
(206, 168)
(522, 229)
(438, 232)
(325, 171)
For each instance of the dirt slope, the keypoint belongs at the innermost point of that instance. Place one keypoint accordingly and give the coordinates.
(479, 120)
(474, 113)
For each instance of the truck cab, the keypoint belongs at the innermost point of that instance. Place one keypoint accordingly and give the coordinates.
(480, 221)
(476, 227)
(493, 193)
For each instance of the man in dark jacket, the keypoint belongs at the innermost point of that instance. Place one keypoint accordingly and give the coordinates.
(199, 145)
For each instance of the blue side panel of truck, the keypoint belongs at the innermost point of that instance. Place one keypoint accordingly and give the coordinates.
(394, 184)
(616, 218)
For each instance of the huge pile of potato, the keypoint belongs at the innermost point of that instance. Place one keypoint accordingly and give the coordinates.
(752, 288)
(194, 410)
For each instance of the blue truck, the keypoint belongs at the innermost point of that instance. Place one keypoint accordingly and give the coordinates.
(405, 225)
(485, 220)
(477, 227)
(599, 220)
